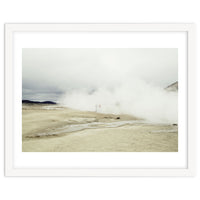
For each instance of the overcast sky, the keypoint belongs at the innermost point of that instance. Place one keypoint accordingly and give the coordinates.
(48, 73)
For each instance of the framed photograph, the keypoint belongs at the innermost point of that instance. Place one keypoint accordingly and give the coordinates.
(99, 100)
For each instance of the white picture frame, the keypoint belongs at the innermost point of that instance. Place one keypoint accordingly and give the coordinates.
(11, 170)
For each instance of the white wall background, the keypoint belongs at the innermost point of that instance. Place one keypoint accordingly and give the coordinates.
(104, 11)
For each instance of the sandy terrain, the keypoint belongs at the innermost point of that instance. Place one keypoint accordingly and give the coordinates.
(51, 128)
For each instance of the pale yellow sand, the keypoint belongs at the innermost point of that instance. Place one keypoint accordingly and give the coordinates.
(41, 125)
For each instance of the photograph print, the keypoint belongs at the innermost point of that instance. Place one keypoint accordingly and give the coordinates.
(100, 100)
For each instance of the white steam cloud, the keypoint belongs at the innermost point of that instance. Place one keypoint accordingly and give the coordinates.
(133, 97)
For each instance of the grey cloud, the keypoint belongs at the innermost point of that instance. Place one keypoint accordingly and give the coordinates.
(63, 69)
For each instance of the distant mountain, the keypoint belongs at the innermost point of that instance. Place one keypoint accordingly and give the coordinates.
(37, 102)
(173, 87)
